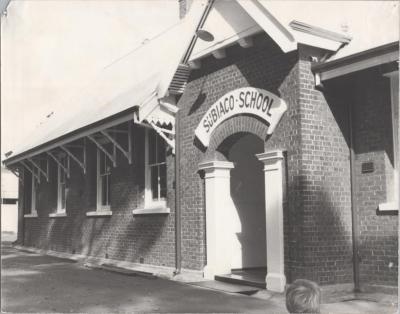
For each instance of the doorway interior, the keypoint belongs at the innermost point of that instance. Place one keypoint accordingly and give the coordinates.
(247, 189)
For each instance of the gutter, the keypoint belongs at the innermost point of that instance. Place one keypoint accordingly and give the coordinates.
(356, 62)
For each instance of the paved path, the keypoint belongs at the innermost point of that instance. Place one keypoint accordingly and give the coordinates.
(38, 284)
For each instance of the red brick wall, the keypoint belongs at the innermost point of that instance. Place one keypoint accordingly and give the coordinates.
(326, 238)
(121, 236)
(263, 66)
(372, 143)
(317, 212)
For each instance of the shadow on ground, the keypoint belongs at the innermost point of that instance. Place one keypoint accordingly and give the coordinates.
(35, 283)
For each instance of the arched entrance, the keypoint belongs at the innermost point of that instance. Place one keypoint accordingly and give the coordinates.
(243, 231)
(247, 193)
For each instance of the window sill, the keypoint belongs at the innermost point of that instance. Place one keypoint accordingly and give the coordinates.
(99, 213)
(33, 215)
(55, 215)
(151, 210)
(390, 206)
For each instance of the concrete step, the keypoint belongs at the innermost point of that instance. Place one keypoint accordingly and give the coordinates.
(241, 280)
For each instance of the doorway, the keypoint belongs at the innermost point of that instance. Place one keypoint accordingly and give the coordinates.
(249, 257)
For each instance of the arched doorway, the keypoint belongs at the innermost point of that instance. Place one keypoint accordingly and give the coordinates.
(235, 183)
(247, 193)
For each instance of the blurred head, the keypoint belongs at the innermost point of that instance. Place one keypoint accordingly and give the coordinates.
(303, 296)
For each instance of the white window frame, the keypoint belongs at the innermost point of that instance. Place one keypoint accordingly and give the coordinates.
(32, 210)
(393, 204)
(149, 202)
(61, 208)
(100, 177)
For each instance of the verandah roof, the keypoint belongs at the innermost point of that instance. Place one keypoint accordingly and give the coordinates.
(135, 80)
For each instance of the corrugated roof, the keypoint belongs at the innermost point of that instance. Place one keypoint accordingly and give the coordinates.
(141, 76)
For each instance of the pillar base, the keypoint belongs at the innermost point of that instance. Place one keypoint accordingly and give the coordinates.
(275, 282)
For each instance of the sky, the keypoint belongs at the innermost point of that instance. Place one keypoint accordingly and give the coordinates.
(50, 49)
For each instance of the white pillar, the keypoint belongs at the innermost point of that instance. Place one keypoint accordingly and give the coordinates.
(275, 278)
(219, 211)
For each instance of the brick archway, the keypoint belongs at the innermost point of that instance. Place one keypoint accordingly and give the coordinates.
(232, 126)
(219, 203)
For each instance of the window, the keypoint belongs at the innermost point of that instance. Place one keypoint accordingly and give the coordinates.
(156, 168)
(62, 184)
(103, 181)
(392, 167)
(30, 186)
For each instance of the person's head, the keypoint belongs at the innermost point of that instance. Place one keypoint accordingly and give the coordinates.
(303, 296)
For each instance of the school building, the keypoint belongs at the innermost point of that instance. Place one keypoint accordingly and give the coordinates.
(254, 141)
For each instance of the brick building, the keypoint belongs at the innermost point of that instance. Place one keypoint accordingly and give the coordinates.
(262, 147)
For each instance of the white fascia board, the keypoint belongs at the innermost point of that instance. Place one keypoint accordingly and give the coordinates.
(359, 65)
(279, 33)
(225, 43)
(316, 41)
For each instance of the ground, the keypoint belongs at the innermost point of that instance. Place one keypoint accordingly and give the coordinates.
(37, 283)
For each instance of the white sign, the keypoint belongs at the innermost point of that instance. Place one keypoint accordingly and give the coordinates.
(247, 100)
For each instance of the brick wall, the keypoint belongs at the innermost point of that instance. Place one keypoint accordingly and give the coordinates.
(373, 143)
(326, 238)
(317, 215)
(147, 238)
(263, 66)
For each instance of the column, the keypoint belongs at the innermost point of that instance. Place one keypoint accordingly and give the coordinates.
(273, 175)
(219, 212)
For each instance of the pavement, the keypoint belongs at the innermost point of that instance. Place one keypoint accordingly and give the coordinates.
(35, 283)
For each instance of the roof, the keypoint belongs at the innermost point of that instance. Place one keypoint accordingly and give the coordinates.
(136, 79)
(331, 25)
(369, 23)
(143, 76)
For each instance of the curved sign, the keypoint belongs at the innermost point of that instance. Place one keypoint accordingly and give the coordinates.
(247, 100)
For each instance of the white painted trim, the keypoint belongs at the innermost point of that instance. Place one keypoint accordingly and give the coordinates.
(99, 206)
(269, 24)
(60, 171)
(273, 174)
(151, 210)
(32, 215)
(148, 201)
(358, 66)
(56, 215)
(195, 57)
(390, 206)
(99, 213)
(394, 99)
(219, 210)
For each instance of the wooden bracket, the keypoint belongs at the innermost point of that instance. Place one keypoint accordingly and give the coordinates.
(126, 153)
(110, 156)
(81, 164)
(31, 170)
(41, 171)
(65, 169)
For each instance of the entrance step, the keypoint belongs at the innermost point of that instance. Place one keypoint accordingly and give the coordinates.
(226, 287)
(242, 279)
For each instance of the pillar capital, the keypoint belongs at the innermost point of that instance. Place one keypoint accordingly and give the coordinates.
(216, 168)
(270, 157)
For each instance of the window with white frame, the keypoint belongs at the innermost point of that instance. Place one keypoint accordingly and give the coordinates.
(62, 184)
(392, 165)
(156, 168)
(30, 187)
(103, 181)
